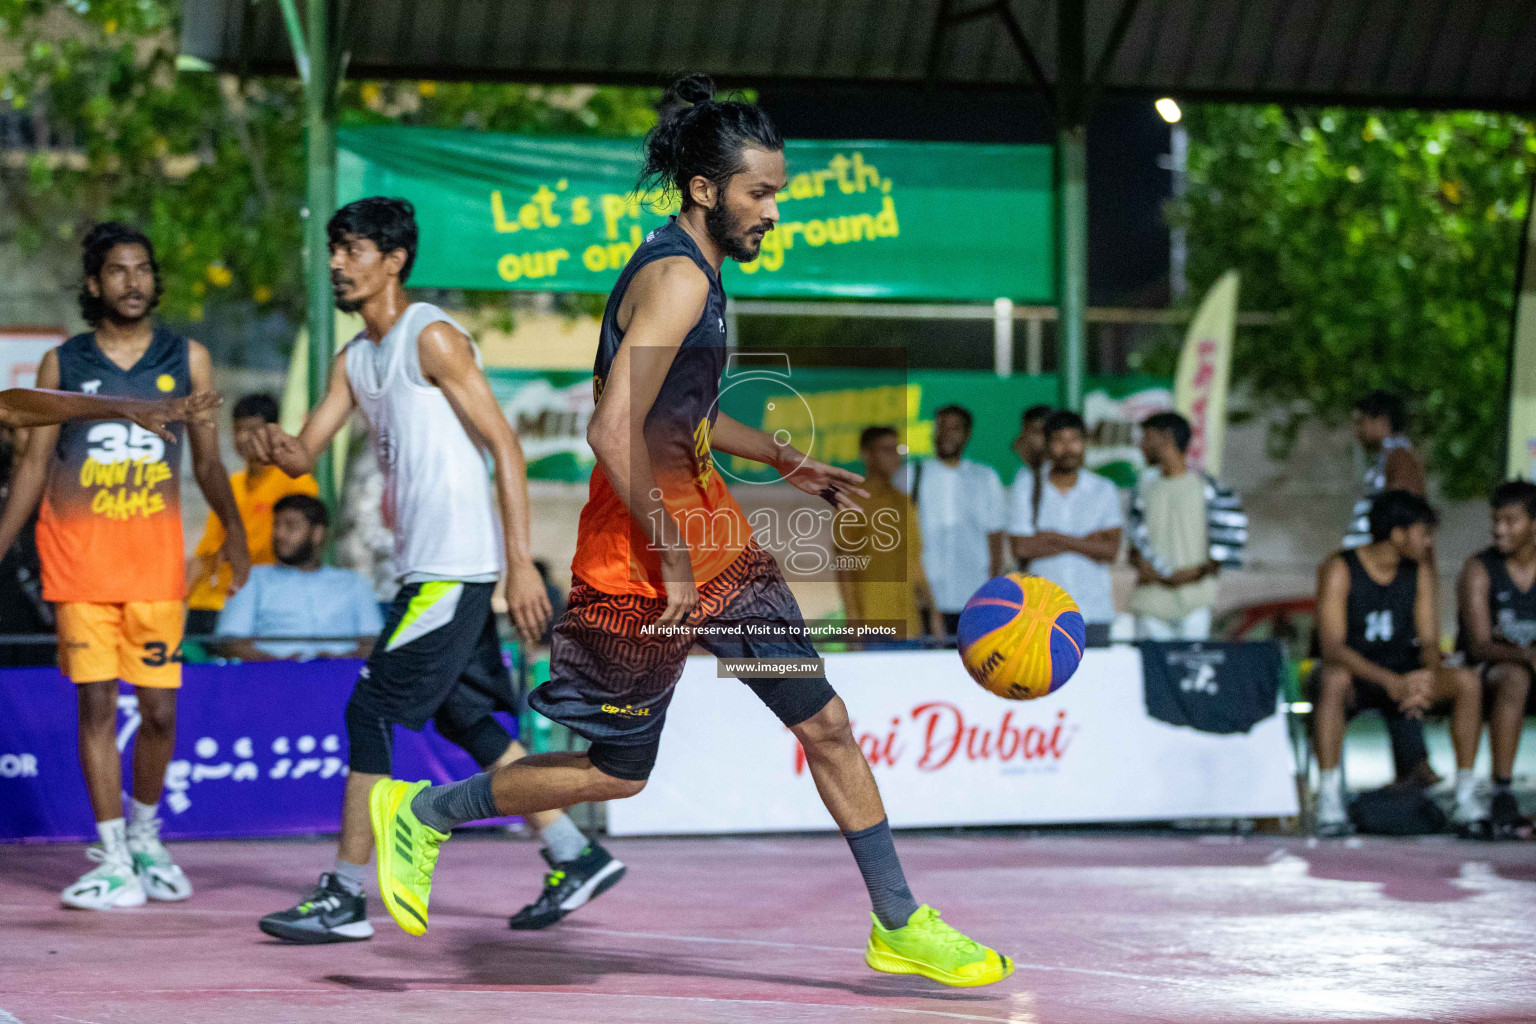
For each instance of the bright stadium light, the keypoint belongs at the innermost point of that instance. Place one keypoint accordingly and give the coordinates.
(1168, 107)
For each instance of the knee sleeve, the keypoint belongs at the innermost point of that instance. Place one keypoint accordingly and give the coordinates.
(485, 739)
(624, 761)
(370, 739)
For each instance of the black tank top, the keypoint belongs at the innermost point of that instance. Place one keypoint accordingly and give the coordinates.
(1511, 611)
(1380, 623)
(683, 415)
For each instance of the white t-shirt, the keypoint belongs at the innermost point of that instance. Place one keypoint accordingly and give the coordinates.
(1093, 504)
(957, 507)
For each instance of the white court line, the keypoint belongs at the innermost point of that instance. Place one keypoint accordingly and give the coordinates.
(6, 1018)
(534, 993)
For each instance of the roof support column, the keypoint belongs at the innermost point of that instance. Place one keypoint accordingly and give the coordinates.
(1071, 202)
(319, 204)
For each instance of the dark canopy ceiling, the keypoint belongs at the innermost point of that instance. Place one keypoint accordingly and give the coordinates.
(1431, 53)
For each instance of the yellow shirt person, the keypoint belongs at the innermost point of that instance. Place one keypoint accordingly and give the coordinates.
(881, 549)
(257, 488)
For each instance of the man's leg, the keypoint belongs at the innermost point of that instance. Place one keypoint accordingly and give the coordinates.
(1328, 723)
(99, 759)
(154, 743)
(1510, 684)
(1462, 687)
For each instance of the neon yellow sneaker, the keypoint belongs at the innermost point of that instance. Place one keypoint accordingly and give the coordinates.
(407, 852)
(926, 945)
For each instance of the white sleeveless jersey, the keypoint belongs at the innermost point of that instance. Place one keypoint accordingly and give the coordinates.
(438, 496)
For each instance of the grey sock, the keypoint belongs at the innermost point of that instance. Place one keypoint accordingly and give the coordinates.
(351, 876)
(875, 852)
(563, 839)
(444, 807)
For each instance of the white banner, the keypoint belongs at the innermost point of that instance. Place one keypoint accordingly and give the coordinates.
(946, 752)
(1205, 367)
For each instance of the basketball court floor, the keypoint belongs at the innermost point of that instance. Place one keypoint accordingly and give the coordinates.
(1126, 927)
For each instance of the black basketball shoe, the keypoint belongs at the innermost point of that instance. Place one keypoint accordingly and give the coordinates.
(569, 886)
(329, 914)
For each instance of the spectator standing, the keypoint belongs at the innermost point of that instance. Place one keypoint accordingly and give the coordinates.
(1029, 446)
(891, 585)
(299, 597)
(1381, 424)
(1072, 534)
(257, 488)
(962, 513)
(1380, 420)
(1497, 604)
(1379, 630)
(1170, 545)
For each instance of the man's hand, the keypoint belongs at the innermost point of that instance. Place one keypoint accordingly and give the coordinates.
(274, 445)
(527, 602)
(1414, 692)
(238, 555)
(153, 416)
(837, 486)
(682, 591)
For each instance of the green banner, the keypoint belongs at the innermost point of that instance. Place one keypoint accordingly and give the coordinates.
(872, 220)
(823, 411)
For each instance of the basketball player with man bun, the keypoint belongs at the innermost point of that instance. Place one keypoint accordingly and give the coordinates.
(662, 544)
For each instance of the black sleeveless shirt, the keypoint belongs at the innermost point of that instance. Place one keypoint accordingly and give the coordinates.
(1511, 611)
(1380, 622)
(681, 418)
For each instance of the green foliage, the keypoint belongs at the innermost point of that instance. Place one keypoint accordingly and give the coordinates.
(1388, 241)
(211, 166)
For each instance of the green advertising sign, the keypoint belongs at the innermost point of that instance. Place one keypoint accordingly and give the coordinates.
(823, 411)
(873, 220)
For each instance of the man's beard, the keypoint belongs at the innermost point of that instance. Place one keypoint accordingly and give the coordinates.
(725, 231)
(345, 305)
(298, 556)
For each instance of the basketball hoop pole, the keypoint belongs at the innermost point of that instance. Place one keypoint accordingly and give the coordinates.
(1071, 201)
(319, 69)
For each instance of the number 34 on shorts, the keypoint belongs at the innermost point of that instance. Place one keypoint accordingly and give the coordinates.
(138, 642)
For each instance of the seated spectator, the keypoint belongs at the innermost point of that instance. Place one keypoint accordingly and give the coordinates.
(890, 586)
(257, 488)
(299, 597)
(963, 515)
(1379, 631)
(556, 601)
(1170, 543)
(1072, 535)
(1497, 605)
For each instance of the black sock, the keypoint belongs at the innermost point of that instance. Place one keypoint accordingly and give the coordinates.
(1502, 785)
(443, 807)
(875, 852)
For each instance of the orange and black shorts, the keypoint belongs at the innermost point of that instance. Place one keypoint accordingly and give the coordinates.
(138, 642)
(611, 679)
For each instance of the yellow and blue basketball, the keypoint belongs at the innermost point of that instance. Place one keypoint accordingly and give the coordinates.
(1021, 636)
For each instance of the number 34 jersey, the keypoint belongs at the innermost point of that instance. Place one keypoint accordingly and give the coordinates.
(110, 526)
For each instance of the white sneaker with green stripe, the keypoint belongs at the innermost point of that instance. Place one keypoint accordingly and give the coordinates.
(111, 885)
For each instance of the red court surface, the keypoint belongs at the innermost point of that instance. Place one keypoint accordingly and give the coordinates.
(1104, 928)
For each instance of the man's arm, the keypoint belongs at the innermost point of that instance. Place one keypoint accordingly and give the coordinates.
(1426, 617)
(203, 436)
(297, 456)
(1472, 601)
(36, 407)
(666, 299)
(810, 475)
(30, 474)
(1404, 472)
(1332, 627)
(448, 361)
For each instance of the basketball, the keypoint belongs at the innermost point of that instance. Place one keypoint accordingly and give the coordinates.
(1021, 636)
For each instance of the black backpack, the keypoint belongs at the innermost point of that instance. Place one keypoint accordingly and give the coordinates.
(1397, 811)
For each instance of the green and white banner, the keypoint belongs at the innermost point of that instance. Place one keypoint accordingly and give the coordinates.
(823, 411)
(872, 220)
